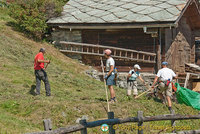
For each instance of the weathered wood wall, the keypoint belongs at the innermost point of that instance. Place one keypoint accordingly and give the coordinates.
(179, 46)
(134, 39)
(130, 38)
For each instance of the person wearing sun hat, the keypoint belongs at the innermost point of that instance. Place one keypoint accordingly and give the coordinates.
(131, 80)
(165, 76)
(110, 75)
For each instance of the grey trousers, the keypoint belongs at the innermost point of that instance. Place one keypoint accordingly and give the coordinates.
(42, 75)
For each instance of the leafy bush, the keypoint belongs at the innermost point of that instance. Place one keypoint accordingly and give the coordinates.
(31, 15)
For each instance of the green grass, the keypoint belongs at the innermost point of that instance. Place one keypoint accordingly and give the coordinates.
(73, 93)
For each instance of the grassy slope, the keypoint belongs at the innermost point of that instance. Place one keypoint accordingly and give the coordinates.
(73, 93)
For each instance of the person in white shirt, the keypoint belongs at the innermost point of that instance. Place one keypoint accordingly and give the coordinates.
(110, 75)
(131, 80)
(166, 76)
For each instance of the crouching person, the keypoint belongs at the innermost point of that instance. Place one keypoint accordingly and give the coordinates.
(110, 75)
(131, 80)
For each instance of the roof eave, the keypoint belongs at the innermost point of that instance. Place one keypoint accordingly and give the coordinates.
(113, 25)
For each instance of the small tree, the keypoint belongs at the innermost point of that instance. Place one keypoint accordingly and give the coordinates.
(31, 15)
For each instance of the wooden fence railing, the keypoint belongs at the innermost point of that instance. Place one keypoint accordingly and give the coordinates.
(112, 121)
(97, 50)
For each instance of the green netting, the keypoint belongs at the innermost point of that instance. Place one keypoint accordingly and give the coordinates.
(188, 97)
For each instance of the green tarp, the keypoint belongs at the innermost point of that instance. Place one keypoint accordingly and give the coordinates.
(188, 97)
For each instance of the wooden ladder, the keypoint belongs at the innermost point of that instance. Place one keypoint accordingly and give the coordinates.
(97, 50)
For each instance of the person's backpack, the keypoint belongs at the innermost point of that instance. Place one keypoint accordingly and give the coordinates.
(115, 72)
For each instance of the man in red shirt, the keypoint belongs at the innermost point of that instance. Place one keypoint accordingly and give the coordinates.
(40, 73)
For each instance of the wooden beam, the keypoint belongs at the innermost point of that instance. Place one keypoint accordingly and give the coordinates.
(186, 80)
(79, 127)
(158, 57)
(170, 117)
(189, 132)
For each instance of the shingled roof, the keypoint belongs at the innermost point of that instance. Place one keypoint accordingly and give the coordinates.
(120, 11)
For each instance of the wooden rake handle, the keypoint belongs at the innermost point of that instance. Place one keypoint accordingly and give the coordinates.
(145, 92)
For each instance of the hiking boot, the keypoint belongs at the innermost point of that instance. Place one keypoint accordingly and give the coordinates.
(36, 93)
(112, 100)
(48, 94)
(171, 110)
(115, 100)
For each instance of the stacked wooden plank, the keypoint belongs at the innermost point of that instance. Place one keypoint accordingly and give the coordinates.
(193, 68)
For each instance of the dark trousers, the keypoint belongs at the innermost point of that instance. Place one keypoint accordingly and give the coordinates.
(42, 75)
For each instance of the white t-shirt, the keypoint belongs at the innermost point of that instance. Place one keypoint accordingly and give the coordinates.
(165, 74)
(109, 62)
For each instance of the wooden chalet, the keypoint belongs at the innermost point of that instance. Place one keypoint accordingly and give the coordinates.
(146, 32)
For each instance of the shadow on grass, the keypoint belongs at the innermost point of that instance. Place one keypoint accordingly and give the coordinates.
(32, 90)
(102, 103)
(101, 99)
(157, 100)
(14, 26)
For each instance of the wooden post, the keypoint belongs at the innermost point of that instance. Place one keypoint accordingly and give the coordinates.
(47, 124)
(140, 122)
(111, 116)
(186, 80)
(83, 122)
(158, 57)
(173, 121)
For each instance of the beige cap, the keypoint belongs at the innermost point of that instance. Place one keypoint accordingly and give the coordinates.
(137, 66)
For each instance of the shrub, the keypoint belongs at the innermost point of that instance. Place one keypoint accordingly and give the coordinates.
(31, 15)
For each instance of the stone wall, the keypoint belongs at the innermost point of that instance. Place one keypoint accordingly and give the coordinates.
(66, 35)
(122, 78)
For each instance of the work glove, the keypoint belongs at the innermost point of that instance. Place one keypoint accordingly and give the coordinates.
(106, 76)
(146, 83)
